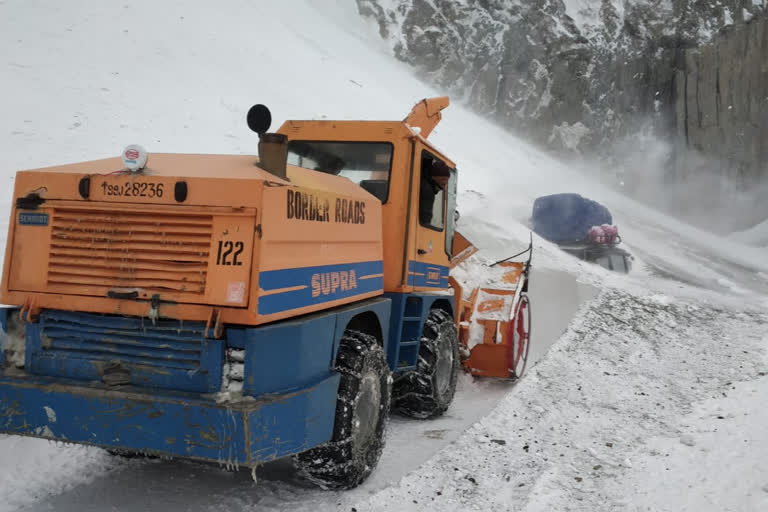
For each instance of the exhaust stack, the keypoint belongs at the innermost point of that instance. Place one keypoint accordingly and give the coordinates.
(273, 147)
(273, 153)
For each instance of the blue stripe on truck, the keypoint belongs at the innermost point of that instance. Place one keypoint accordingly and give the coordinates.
(427, 275)
(295, 288)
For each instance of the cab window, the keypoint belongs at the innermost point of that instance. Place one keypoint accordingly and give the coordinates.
(435, 175)
(367, 164)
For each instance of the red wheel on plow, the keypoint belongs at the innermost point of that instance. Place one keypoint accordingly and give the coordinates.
(520, 337)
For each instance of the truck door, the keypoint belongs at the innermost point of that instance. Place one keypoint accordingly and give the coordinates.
(436, 203)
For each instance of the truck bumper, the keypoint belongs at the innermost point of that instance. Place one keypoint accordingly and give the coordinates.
(176, 424)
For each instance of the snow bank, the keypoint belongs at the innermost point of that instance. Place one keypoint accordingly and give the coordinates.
(591, 427)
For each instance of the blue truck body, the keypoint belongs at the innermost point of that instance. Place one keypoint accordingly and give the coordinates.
(171, 403)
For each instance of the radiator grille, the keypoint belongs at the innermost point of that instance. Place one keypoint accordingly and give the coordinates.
(158, 252)
(171, 344)
(169, 354)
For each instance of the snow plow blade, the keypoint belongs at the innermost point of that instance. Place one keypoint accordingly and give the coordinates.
(494, 323)
(173, 424)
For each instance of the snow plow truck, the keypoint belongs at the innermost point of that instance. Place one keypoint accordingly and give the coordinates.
(236, 309)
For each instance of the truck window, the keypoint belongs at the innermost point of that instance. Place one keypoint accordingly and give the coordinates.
(435, 175)
(368, 164)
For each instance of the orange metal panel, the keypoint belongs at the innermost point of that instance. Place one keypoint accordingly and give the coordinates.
(229, 258)
(30, 247)
(303, 228)
(394, 211)
(489, 331)
(425, 115)
(108, 239)
(425, 245)
(488, 360)
(211, 182)
(92, 249)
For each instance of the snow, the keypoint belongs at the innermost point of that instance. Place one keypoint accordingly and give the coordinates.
(50, 413)
(569, 135)
(638, 374)
(727, 17)
(13, 343)
(757, 235)
(585, 13)
(700, 454)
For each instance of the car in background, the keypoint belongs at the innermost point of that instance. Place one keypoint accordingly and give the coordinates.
(581, 227)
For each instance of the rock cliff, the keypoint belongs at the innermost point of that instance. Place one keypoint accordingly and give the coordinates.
(590, 76)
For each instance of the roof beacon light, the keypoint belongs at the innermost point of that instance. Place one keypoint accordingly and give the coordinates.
(134, 157)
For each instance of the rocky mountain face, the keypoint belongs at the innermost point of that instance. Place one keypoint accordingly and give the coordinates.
(684, 82)
(721, 99)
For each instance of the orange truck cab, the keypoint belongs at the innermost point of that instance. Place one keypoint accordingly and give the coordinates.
(233, 308)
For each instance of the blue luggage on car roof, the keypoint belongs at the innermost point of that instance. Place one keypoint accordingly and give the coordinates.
(567, 217)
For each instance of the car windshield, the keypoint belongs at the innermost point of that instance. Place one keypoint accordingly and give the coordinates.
(618, 263)
(366, 163)
(604, 262)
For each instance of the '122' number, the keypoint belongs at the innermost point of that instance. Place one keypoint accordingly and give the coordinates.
(229, 252)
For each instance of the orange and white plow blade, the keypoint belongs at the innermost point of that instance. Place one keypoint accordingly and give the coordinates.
(487, 323)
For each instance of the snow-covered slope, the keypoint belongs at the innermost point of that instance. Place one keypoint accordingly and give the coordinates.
(82, 80)
(757, 235)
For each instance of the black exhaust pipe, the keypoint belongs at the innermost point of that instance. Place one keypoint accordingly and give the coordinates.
(273, 153)
(273, 147)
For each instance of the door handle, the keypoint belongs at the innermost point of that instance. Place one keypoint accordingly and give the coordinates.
(421, 251)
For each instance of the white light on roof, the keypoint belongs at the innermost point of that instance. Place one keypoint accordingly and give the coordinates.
(134, 157)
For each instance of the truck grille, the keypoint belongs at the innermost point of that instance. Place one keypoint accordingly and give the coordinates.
(167, 354)
(158, 252)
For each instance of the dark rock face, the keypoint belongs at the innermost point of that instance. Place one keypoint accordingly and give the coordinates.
(584, 75)
(721, 108)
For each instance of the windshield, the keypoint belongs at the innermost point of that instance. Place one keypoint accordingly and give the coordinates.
(618, 264)
(366, 163)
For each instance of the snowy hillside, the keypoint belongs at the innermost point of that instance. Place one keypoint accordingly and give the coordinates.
(640, 83)
(83, 80)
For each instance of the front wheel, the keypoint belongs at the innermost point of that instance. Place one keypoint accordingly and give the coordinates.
(362, 412)
(428, 391)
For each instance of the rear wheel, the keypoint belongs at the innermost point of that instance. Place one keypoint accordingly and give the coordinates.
(429, 391)
(362, 412)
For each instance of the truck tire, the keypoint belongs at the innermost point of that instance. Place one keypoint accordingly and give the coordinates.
(428, 391)
(362, 414)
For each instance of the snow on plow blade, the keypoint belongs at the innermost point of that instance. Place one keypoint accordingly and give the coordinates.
(172, 424)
